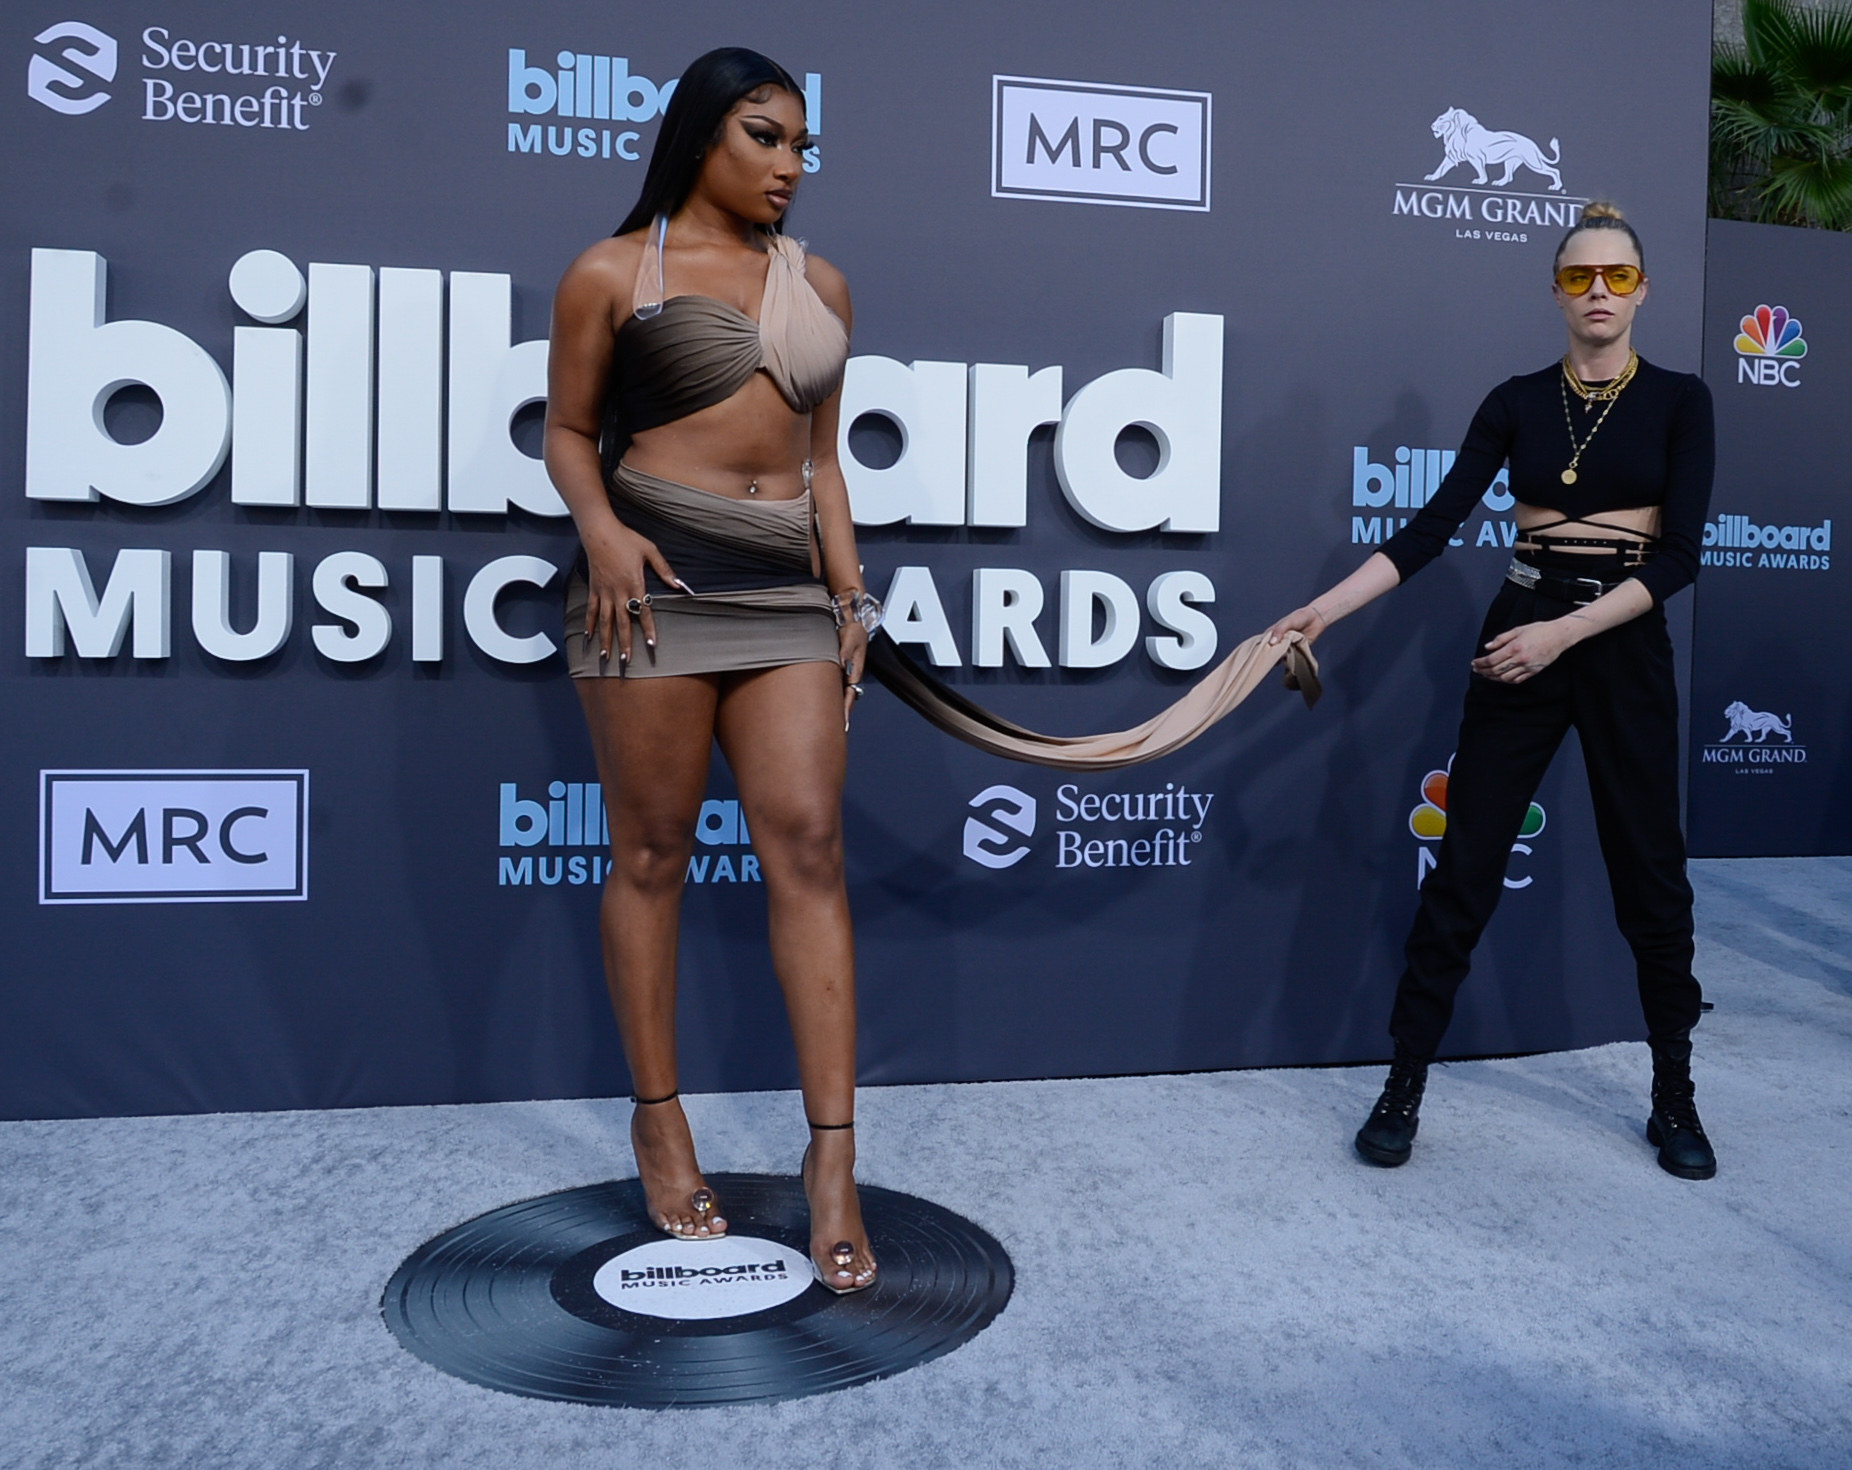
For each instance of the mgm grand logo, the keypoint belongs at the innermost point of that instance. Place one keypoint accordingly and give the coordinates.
(1497, 203)
(1755, 742)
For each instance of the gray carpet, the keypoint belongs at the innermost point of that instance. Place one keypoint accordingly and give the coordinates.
(1206, 1276)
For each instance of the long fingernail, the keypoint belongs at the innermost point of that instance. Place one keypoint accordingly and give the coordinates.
(649, 642)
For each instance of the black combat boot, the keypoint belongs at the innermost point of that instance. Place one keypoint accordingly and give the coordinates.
(1389, 1136)
(1674, 1127)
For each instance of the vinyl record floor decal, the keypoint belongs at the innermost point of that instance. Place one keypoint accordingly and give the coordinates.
(577, 1296)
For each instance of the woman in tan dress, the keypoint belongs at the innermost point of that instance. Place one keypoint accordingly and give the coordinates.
(692, 408)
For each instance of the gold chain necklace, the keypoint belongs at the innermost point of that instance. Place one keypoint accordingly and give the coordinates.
(1607, 394)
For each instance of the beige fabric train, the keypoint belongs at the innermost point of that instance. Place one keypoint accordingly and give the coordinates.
(713, 632)
(1219, 691)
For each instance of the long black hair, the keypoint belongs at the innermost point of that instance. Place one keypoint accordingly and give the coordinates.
(696, 113)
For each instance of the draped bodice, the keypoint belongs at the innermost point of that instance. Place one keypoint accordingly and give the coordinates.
(676, 355)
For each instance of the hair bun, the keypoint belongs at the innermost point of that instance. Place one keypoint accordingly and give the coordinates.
(1602, 209)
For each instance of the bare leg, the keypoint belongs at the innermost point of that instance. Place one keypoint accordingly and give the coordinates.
(652, 738)
(782, 733)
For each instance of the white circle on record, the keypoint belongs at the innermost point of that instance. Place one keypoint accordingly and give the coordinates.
(699, 1279)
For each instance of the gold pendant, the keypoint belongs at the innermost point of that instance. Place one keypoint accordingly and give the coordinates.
(1569, 477)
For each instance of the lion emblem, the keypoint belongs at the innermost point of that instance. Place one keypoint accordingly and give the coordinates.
(1755, 726)
(1464, 140)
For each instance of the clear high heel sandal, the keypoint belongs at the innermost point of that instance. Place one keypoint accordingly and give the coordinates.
(706, 1208)
(842, 1254)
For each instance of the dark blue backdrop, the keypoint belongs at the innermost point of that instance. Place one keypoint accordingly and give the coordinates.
(1364, 308)
(1771, 706)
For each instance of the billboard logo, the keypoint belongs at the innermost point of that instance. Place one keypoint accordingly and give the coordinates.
(68, 78)
(1489, 201)
(581, 85)
(1428, 821)
(1408, 480)
(172, 836)
(1005, 816)
(1737, 541)
(685, 1280)
(1091, 143)
(1755, 742)
(1769, 348)
(573, 816)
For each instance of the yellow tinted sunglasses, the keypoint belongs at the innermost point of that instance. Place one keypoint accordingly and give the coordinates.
(1623, 280)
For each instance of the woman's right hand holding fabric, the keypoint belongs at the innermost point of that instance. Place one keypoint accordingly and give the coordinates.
(1376, 576)
(615, 560)
(1307, 620)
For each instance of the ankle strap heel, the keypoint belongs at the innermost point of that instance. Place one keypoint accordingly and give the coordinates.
(831, 1127)
(650, 1102)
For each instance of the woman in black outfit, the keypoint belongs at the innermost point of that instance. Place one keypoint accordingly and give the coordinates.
(1611, 461)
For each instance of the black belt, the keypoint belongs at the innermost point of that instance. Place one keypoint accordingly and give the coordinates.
(1578, 590)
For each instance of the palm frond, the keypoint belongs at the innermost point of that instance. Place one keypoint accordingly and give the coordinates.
(1781, 117)
(1816, 54)
(1816, 191)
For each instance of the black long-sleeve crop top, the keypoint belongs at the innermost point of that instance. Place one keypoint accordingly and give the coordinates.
(1657, 448)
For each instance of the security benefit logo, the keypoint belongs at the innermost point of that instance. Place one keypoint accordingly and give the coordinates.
(71, 70)
(1096, 143)
(564, 838)
(1428, 821)
(1769, 348)
(1754, 743)
(1490, 184)
(1090, 829)
(997, 835)
(173, 836)
(234, 80)
(566, 88)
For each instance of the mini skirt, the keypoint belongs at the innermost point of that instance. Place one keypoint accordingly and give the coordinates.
(752, 600)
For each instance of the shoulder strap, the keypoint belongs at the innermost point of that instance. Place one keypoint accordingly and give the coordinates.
(644, 301)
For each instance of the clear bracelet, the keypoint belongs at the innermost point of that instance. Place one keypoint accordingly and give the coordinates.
(863, 608)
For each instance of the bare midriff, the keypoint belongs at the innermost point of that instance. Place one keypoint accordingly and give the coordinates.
(752, 437)
(1614, 525)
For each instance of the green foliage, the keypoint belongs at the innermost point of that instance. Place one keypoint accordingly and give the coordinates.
(1781, 118)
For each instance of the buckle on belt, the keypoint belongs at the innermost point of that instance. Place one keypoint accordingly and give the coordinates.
(1531, 578)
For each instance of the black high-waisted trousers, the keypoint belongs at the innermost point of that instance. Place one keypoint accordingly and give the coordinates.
(1617, 690)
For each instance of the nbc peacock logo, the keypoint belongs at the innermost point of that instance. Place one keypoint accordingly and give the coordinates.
(1769, 347)
(1428, 821)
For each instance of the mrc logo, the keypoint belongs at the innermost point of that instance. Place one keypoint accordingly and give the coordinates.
(1769, 347)
(1094, 143)
(71, 78)
(173, 836)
